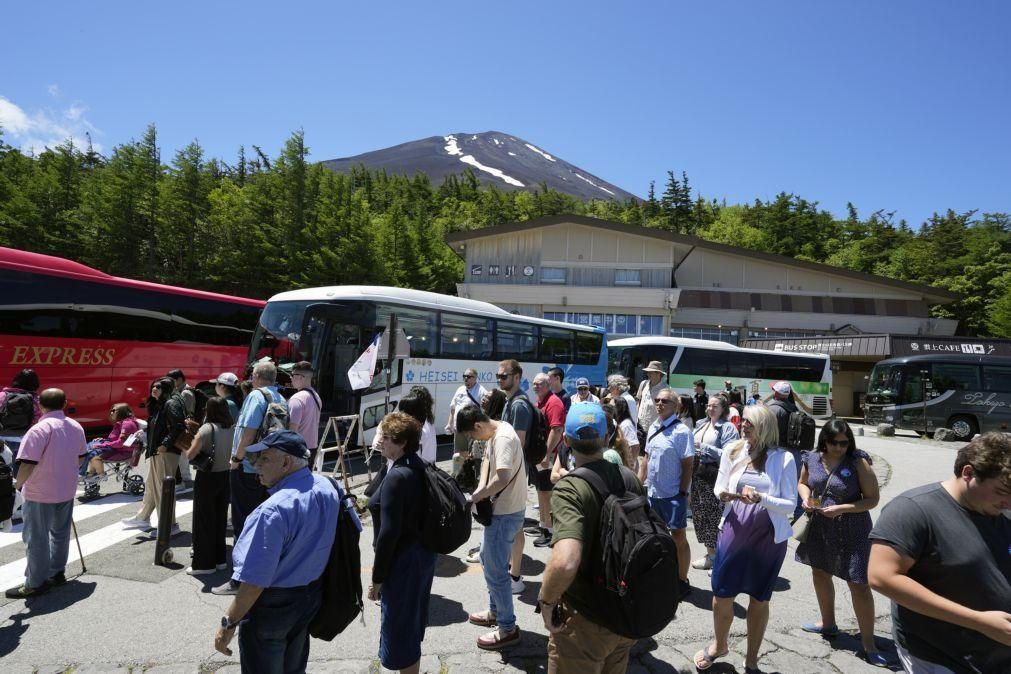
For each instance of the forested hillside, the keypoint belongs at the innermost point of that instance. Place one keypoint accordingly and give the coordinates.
(260, 224)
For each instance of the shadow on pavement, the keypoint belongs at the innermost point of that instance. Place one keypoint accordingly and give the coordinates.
(54, 600)
(443, 612)
(448, 566)
(703, 598)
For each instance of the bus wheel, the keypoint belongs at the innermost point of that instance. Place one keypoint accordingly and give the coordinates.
(963, 426)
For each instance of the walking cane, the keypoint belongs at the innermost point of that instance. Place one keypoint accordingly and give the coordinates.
(80, 554)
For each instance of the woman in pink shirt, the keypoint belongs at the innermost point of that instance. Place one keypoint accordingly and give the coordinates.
(124, 425)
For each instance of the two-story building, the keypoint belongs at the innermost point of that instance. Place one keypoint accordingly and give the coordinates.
(641, 281)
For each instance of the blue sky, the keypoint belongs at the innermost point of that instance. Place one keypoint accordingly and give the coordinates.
(902, 106)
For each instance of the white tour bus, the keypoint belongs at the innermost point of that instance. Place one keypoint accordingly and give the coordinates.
(751, 370)
(331, 327)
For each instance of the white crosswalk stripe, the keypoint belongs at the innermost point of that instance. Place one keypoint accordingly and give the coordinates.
(82, 511)
(13, 574)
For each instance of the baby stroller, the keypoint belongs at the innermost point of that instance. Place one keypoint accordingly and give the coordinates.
(120, 465)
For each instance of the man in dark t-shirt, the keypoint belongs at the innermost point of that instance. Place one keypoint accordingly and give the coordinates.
(942, 554)
(584, 640)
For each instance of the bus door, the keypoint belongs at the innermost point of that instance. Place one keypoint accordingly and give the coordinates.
(332, 343)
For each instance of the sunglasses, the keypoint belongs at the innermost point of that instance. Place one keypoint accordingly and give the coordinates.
(664, 401)
(582, 388)
(500, 377)
(469, 376)
(746, 422)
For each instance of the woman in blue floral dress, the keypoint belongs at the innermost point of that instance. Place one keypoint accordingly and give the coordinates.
(838, 489)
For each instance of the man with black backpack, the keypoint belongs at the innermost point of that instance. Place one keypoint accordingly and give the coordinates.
(592, 626)
(521, 414)
(195, 401)
(796, 429)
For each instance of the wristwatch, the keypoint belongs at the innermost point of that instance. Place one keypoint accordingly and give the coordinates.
(228, 624)
(235, 459)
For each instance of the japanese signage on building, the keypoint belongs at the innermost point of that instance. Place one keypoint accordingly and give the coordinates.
(971, 346)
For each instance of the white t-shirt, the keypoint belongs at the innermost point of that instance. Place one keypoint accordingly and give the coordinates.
(464, 397)
(428, 442)
(633, 407)
(627, 428)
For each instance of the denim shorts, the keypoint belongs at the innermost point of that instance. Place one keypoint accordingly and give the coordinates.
(672, 510)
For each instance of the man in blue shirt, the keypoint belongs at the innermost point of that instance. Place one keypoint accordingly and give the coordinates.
(279, 558)
(667, 474)
(244, 489)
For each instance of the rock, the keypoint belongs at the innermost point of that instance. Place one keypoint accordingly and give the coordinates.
(886, 430)
(942, 434)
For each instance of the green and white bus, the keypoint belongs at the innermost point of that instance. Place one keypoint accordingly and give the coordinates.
(751, 371)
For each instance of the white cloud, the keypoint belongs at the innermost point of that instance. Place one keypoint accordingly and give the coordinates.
(54, 90)
(33, 131)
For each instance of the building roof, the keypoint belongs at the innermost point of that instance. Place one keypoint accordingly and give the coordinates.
(930, 293)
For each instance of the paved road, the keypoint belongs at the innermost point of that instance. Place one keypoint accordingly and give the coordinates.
(125, 614)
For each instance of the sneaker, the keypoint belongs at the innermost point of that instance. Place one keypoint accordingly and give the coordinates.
(173, 531)
(532, 531)
(474, 557)
(544, 541)
(221, 567)
(474, 550)
(135, 523)
(23, 592)
(199, 572)
(229, 588)
(705, 562)
(57, 580)
(518, 586)
(498, 639)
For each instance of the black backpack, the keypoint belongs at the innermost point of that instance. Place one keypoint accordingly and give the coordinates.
(341, 581)
(199, 403)
(800, 431)
(6, 490)
(636, 565)
(445, 521)
(535, 445)
(17, 411)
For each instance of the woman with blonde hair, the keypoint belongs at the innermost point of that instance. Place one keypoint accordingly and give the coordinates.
(757, 484)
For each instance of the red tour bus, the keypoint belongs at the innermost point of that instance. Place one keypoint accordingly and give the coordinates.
(104, 339)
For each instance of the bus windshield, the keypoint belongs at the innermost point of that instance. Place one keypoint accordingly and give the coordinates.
(895, 384)
(277, 332)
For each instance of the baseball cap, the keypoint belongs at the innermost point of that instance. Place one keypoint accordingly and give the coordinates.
(585, 421)
(226, 378)
(783, 388)
(288, 442)
(582, 382)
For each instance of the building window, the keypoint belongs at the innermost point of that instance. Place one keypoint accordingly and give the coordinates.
(651, 325)
(717, 334)
(627, 277)
(552, 275)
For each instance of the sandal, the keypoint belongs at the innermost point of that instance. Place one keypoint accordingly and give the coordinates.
(707, 659)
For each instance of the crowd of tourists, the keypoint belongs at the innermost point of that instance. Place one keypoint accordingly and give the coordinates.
(941, 552)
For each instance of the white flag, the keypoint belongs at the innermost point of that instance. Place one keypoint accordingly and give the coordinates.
(361, 372)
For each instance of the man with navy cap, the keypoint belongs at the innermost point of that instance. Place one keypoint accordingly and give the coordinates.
(583, 394)
(578, 614)
(279, 557)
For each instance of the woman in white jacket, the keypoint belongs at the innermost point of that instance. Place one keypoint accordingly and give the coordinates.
(757, 484)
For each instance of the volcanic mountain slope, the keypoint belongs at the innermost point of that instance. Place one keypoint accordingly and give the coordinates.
(497, 159)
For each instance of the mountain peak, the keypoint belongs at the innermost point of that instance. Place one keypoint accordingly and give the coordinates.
(497, 158)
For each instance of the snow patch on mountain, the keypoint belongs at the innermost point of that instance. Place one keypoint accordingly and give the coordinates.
(451, 147)
(469, 159)
(541, 152)
(594, 184)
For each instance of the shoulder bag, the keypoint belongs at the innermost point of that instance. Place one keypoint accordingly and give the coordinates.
(802, 525)
(707, 471)
(485, 508)
(204, 461)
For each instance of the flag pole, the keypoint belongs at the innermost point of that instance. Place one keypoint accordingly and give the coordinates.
(391, 350)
